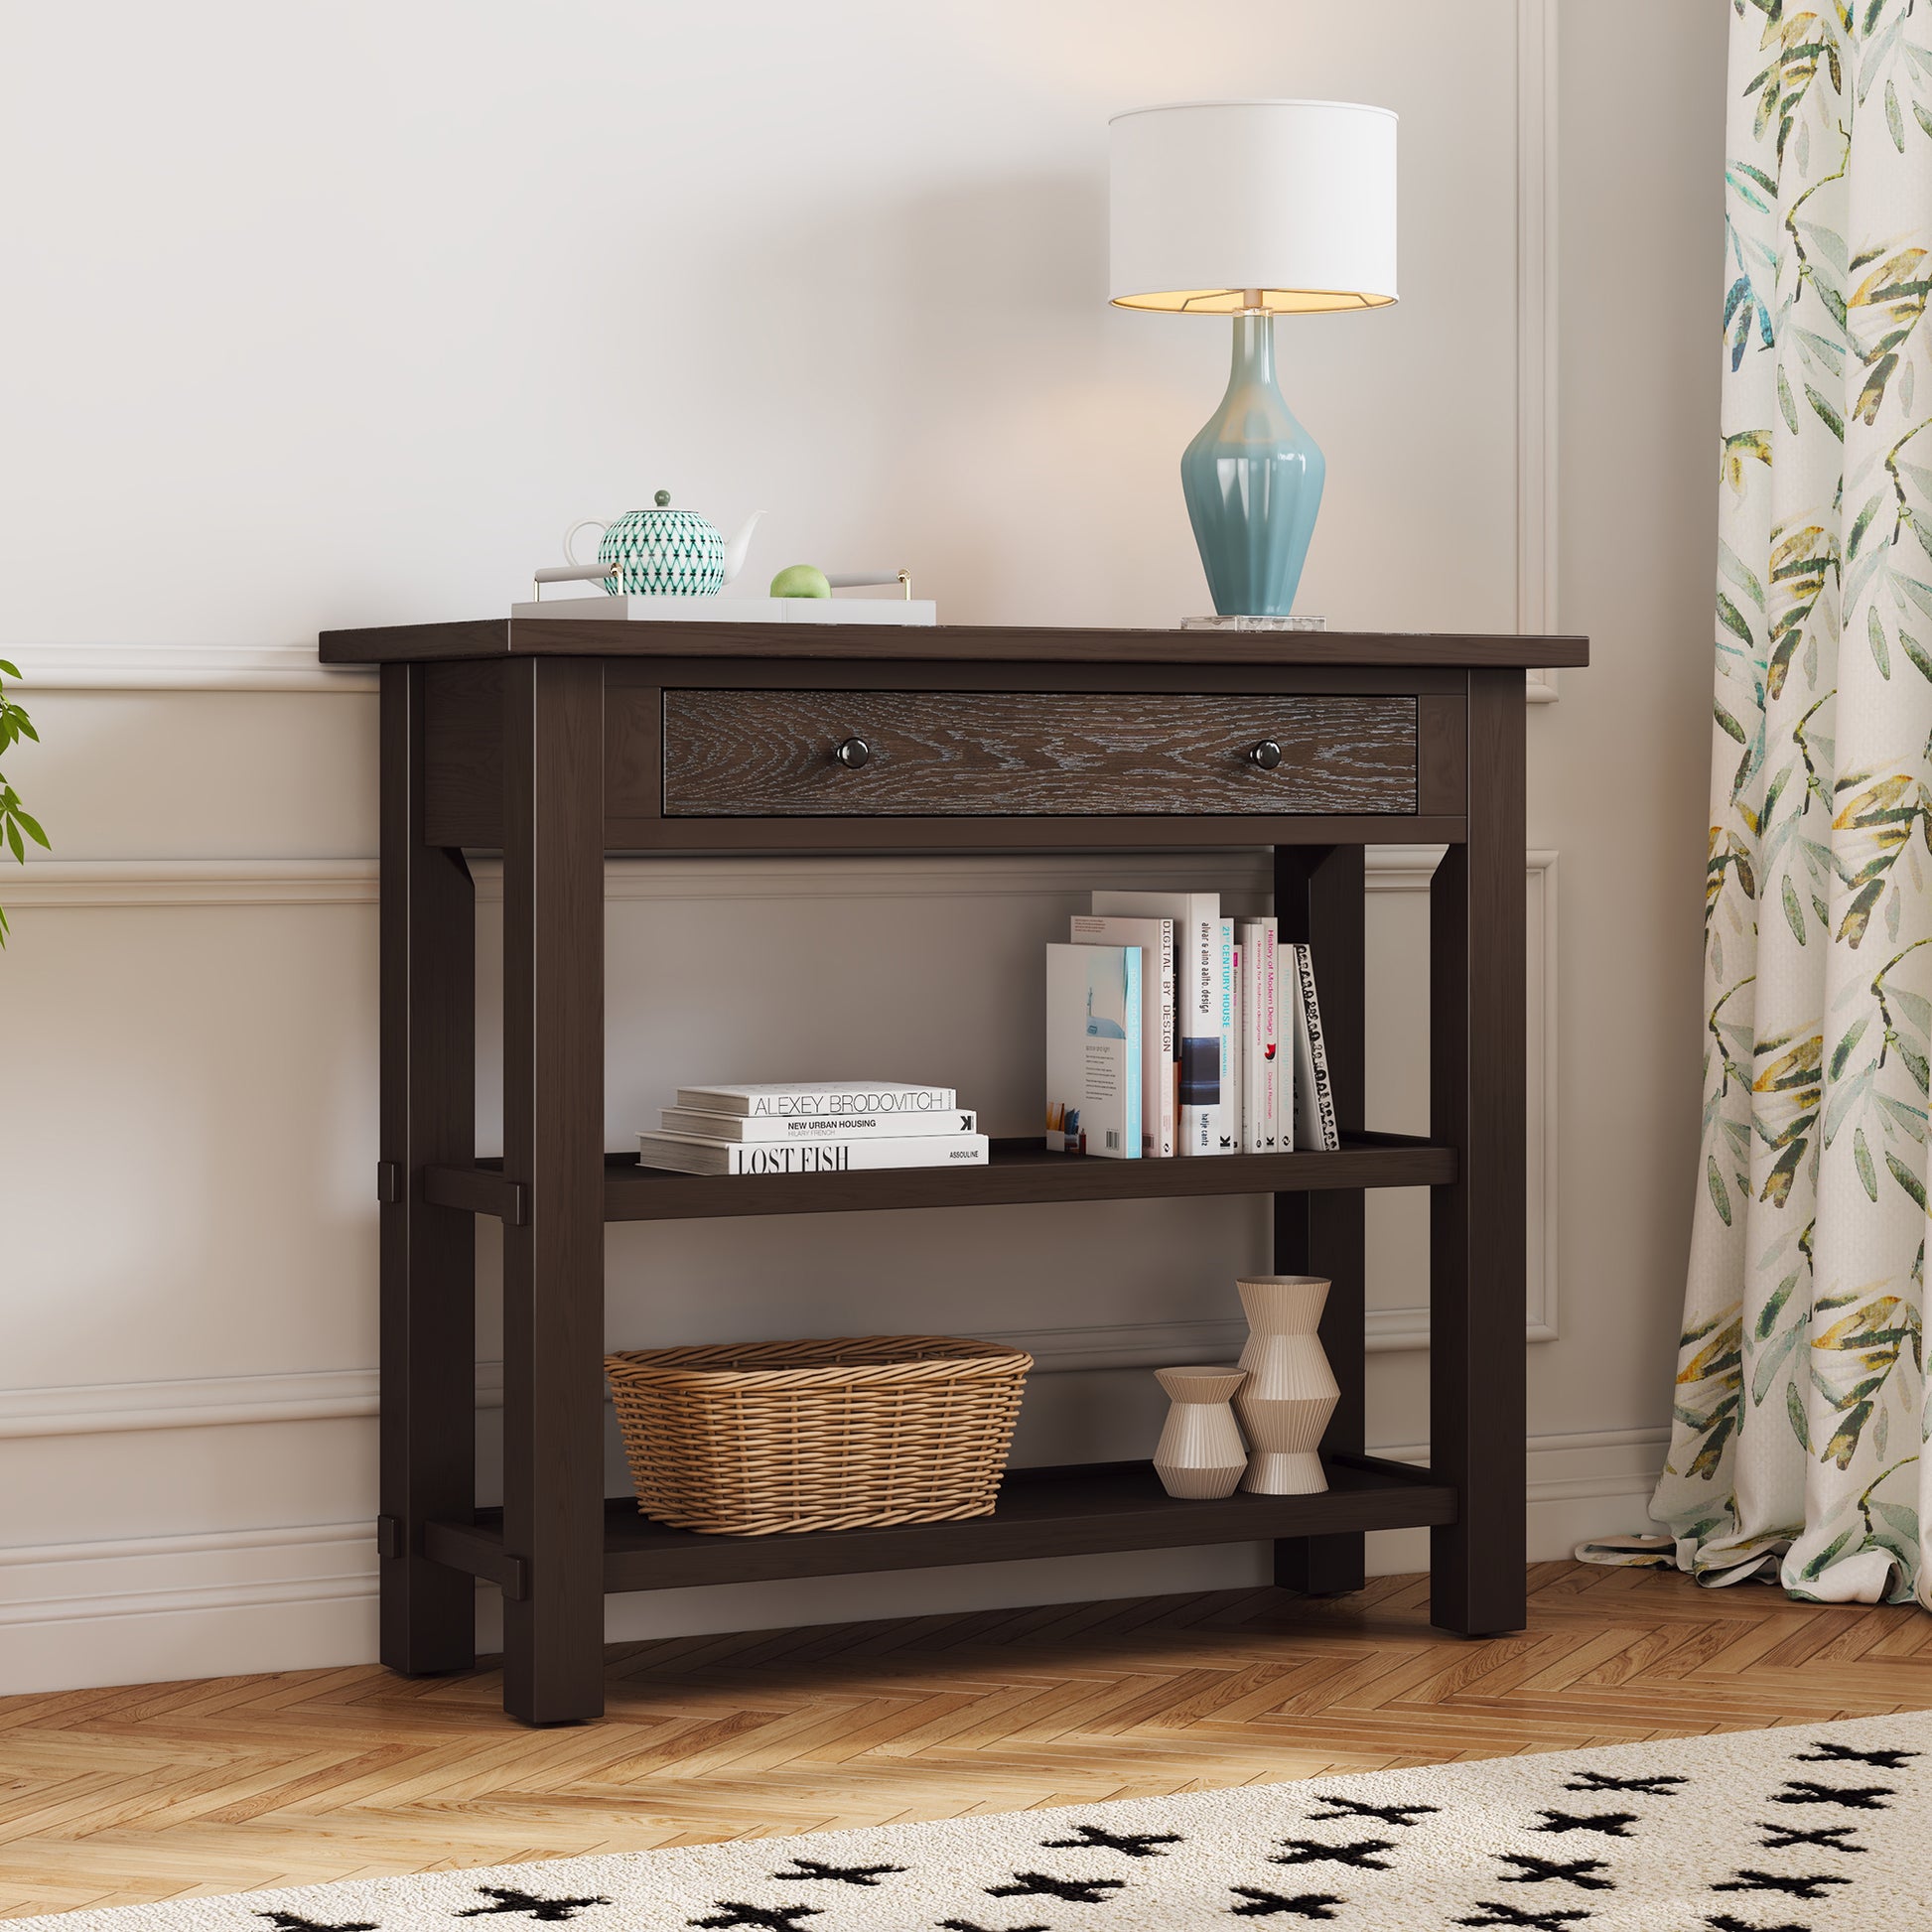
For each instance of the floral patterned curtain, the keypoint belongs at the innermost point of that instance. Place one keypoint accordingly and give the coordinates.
(1800, 1410)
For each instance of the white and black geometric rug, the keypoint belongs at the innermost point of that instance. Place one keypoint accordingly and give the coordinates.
(1813, 1829)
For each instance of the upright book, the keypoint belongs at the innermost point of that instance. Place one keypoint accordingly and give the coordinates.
(1314, 1101)
(1196, 920)
(1261, 1091)
(1093, 1050)
(1227, 959)
(1154, 937)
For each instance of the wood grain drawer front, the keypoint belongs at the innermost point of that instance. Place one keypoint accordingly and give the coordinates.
(967, 753)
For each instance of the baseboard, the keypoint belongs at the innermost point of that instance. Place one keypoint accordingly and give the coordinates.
(138, 1610)
(148, 1609)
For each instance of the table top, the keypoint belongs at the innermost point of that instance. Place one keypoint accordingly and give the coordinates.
(962, 644)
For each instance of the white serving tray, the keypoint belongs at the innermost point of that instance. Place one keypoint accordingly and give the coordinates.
(732, 609)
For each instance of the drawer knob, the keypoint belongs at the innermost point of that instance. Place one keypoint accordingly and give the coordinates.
(852, 753)
(1265, 755)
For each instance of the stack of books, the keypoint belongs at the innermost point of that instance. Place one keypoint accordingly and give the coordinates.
(814, 1127)
(1172, 1029)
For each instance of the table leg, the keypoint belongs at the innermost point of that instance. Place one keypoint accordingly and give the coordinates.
(1477, 1263)
(1319, 899)
(553, 1144)
(428, 1051)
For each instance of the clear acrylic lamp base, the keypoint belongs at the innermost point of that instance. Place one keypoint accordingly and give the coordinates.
(1254, 624)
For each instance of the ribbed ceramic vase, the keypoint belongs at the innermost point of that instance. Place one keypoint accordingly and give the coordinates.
(1290, 1392)
(1202, 1456)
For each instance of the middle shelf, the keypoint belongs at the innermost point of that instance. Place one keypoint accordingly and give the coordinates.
(1018, 1171)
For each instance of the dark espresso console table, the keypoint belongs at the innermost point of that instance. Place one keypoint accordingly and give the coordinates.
(557, 741)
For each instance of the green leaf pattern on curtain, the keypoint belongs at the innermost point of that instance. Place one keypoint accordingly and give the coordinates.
(1800, 1405)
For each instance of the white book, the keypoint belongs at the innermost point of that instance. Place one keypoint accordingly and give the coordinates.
(1280, 1071)
(1249, 970)
(1154, 937)
(1243, 1081)
(1314, 1104)
(1261, 1066)
(687, 1154)
(1093, 1050)
(1227, 1116)
(1197, 1045)
(787, 1097)
(746, 1128)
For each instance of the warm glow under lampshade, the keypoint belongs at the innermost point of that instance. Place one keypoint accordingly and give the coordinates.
(1213, 200)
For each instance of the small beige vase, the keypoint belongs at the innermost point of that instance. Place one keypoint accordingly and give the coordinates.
(1290, 1391)
(1202, 1456)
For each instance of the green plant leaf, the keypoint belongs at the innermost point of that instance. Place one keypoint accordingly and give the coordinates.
(1906, 1178)
(1861, 523)
(1842, 1052)
(1862, 1160)
(1921, 664)
(1793, 912)
(1893, 119)
(1827, 415)
(1903, 1520)
(1768, 1316)
(1875, 630)
(1794, 1407)
(1719, 1195)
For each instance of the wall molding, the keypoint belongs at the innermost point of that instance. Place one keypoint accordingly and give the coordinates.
(354, 880)
(192, 1402)
(1537, 326)
(57, 883)
(75, 883)
(185, 668)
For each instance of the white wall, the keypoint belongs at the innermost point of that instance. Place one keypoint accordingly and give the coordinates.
(337, 315)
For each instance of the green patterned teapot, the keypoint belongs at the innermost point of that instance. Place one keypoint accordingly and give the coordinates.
(664, 552)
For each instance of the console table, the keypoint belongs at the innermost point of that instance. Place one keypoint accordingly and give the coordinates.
(556, 742)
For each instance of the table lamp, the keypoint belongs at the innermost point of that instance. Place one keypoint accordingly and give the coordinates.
(1252, 209)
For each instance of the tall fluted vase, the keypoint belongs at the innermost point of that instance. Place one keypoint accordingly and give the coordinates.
(1290, 1391)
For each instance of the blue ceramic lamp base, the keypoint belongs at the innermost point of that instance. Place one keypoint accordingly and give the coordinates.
(1253, 483)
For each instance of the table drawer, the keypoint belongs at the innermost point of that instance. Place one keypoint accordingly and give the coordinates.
(966, 754)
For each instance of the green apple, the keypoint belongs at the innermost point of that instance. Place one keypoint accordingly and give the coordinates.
(800, 580)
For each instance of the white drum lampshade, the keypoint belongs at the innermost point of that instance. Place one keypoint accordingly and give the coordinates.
(1213, 200)
(1253, 208)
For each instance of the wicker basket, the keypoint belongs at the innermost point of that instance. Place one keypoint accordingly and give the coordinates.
(750, 1439)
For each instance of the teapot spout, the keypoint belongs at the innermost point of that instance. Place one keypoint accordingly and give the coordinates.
(734, 550)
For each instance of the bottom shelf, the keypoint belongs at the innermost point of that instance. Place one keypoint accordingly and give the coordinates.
(1078, 1510)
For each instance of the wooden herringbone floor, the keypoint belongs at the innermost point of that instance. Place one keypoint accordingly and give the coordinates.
(111, 1797)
